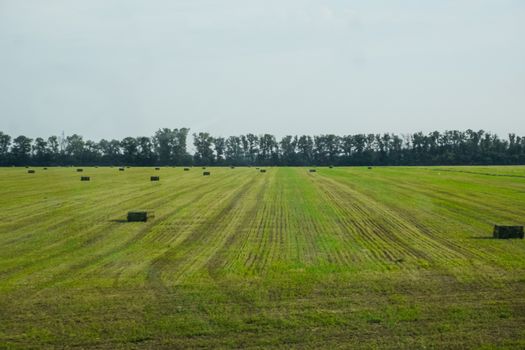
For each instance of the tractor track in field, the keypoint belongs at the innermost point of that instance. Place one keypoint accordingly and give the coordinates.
(399, 212)
(149, 226)
(74, 268)
(218, 259)
(461, 250)
(449, 249)
(370, 225)
(196, 235)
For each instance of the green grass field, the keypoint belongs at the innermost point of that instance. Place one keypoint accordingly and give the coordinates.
(341, 258)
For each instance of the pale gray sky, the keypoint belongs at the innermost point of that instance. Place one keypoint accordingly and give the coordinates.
(113, 68)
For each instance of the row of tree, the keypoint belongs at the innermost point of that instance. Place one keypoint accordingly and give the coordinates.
(169, 147)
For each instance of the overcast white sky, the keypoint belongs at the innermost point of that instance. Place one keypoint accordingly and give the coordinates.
(115, 68)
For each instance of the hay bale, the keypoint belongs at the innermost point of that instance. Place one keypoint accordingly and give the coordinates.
(186, 169)
(312, 170)
(80, 170)
(331, 166)
(120, 169)
(257, 168)
(157, 168)
(369, 167)
(232, 167)
(45, 168)
(204, 167)
(85, 178)
(206, 173)
(155, 178)
(263, 170)
(506, 232)
(140, 216)
(30, 171)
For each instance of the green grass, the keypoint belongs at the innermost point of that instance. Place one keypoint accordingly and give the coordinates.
(394, 257)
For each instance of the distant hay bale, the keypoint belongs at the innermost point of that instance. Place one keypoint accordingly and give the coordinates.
(30, 171)
(331, 166)
(155, 178)
(232, 167)
(204, 167)
(140, 216)
(312, 170)
(369, 167)
(80, 170)
(45, 168)
(85, 178)
(506, 232)
(206, 173)
(120, 169)
(263, 170)
(127, 167)
(257, 168)
(157, 168)
(186, 169)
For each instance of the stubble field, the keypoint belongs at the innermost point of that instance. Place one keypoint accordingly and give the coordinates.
(393, 257)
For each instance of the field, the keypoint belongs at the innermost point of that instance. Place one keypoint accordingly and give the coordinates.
(340, 258)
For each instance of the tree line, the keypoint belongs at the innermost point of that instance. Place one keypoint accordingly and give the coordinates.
(169, 147)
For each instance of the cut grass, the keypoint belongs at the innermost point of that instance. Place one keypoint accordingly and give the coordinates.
(341, 258)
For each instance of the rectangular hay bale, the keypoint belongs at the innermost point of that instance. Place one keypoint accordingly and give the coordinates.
(206, 173)
(120, 169)
(186, 169)
(263, 170)
(30, 171)
(312, 170)
(80, 170)
(507, 232)
(85, 178)
(140, 216)
(155, 178)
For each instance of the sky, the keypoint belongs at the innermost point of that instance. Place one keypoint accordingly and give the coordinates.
(117, 68)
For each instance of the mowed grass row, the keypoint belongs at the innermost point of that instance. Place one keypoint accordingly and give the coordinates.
(343, 257)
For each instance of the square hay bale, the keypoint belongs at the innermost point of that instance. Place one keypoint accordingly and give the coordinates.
(232, 167)
(369, 167)
(140, 216)
(206, 173)
(312, 170)
(155, 178)
(257, 168)
(186, 169)
(120, 169)
(45, 168)
(331, 166)
(507, 232)
(30, 171)
(263, 170)
(80, 170)
(157, 168)
(85, 178)
(204, 167)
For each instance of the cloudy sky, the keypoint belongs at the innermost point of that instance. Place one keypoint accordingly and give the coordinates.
(113, 68)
